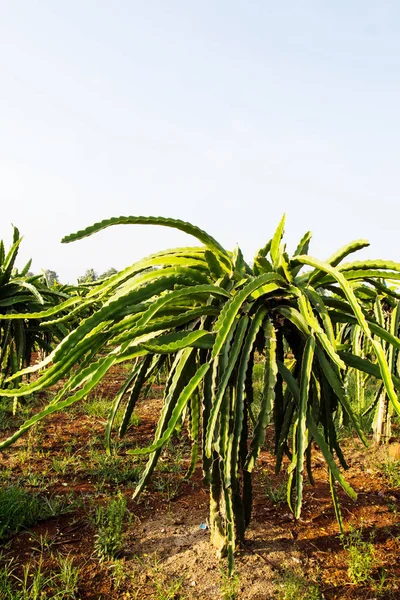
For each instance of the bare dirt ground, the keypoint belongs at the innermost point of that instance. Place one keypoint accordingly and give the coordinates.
(166, 554)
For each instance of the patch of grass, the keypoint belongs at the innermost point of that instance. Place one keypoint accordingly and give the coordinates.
(168, 590)
(113, 469)
(109, 520)
(35, 584)
(7, 418)
(6, 577)
(14, 413)
(96, 407)
(68, 576)
(383, 585)
(57, 505)
(167, 485)
(391, 472)
(35, 436)
(118, 573)
(44, 542)
(37, 480)
(295, 586)
(361, 556)
(100, 407)
(62, 464)
(32, 449)
(165, 589)
(172, 459)
(229, 585)
(18, 509)
(5, 474)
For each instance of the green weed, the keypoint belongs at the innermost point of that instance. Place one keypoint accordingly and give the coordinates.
(109, 520)
(258, 384)
(168, 591)
(167, 485)
(37, 480)
(14, 413)
(276, 493)
(54, 506)
(361, 557)
(18, 509)
(113, 469)
(391, 472)
(68, 576)
(44, 542)
(35, 584)
(164, 589)
(100, 408)
(6, 577)
(229, 585)
(294, 586)
(62, 464)
(118, 573)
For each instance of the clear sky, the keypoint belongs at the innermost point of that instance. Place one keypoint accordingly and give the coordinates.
(226, 113)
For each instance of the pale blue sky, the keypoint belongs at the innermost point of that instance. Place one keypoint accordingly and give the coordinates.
(224, 113)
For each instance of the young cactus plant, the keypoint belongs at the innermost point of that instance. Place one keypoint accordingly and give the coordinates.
(212, 314)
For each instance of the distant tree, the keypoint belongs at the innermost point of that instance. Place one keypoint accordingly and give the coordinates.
(51, 277)
(89, 276)
(108, 273)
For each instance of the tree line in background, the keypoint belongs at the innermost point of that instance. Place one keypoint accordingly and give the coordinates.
(204, 317)
(24, 292)
(89, 276)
